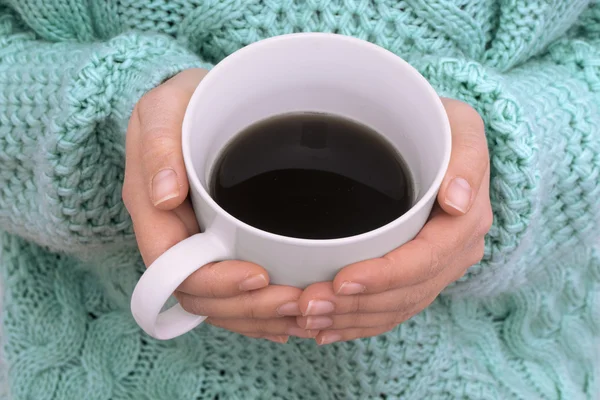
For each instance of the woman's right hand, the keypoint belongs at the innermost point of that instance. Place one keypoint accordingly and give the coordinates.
(235, 295)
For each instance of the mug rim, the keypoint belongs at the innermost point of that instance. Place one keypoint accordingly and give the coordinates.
(195, 182)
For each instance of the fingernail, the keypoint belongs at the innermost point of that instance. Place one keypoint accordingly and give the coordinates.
(458, 195)
(301, 333)
(277, 339)
(318, 322)
(290, 309)
(350, 288)
(164, 186)
(328, 338)
(253, 283)
(319, 307)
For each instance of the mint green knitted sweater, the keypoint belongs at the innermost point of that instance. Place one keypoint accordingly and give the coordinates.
(522, 324)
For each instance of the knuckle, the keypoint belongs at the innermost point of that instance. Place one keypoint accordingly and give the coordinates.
(401, 312)
(159, 153)
(160, 142)
(354, 304)
(478, 252)
(359, 303)
(400, 316)
(150, 100)
(473, 150)
(471, 141)
(212, 279)
(248, 308)
(471, 132)
(434, 263)
(470, 114)
(398, 307)
(408, 313)
(387, 272)
(259, 326)
(409, 299)
(210, 289)
(416, 295)
(126, 195)
(486, 222)
(155, 98)
(190, 304)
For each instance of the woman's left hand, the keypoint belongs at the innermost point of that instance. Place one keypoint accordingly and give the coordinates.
(372, 297)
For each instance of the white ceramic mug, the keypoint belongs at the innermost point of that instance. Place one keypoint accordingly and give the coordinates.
(294, 73)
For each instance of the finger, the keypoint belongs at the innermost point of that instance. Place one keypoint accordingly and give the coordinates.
(161, 114)
(417, 261)
(469, 159)
(345, 321)
(156, 230)
(225, 279)
(363, 319)
(264, 327)
(332, 336)
(270, 302)
(320, 299)
(276, 339)
(355, 326)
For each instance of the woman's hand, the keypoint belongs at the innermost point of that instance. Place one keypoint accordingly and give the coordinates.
(372, 297)
(233, 294)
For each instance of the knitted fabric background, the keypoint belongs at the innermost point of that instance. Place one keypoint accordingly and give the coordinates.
(523, 324)
(3, 367)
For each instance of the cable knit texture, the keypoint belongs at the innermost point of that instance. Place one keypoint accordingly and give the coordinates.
(522, 324)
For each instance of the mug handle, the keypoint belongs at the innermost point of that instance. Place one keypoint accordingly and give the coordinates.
(164, 276)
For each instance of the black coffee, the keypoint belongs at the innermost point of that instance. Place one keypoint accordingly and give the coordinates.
(312, 176)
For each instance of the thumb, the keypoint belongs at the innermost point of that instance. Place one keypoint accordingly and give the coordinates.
(469, 159)
(160, 114)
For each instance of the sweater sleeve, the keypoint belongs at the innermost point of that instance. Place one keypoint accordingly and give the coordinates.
(544, 139)
(64, 108)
